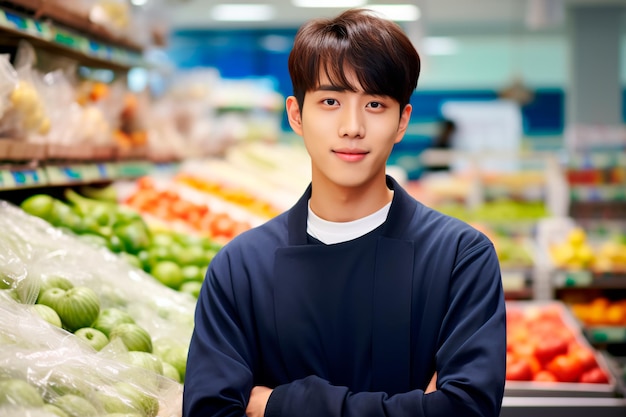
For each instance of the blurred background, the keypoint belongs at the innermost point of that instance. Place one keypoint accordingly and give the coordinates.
(143, 135)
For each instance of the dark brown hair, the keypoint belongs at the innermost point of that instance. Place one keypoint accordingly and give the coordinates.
(383, 58)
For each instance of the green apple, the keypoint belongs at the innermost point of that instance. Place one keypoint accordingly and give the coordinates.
(170, 372)
(60, 382)
(47, 313)
(50, 297)
(78, 307)
(19, 392)
(53, 409)
(75, 406)
(123, 415)
(144, 360)
(127, 399)
(6, 281)
(192, 288)
(55, 281)
(133, 336)
(93, 337)
(109, 318)
(177, 357)
(139, 400)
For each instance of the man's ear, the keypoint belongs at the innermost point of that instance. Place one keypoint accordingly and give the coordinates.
(294, 115)
(405, 118)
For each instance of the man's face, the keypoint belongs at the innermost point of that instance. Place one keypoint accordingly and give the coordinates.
(349, 135)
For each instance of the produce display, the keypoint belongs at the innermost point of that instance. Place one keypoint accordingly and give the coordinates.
(43, 372)
(167, 204)
(544, 346)
(576, 251)
(514, 251)
(600, 311)
(236, 195)
(94, 332)
(178, 260)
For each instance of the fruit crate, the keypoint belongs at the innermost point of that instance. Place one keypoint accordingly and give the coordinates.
(557, 311)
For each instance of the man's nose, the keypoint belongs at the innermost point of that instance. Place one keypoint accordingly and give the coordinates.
(352, 123)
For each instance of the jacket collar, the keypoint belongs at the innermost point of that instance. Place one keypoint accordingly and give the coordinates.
(402, 210)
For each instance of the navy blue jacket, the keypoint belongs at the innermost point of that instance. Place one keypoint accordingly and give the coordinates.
(352, 329)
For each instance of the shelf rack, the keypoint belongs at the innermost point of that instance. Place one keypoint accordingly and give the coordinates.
(56, 29)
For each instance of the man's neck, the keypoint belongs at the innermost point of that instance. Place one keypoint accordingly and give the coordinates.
(342, 204)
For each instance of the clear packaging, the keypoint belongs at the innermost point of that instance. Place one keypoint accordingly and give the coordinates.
(60, 370)
(32, 250)
(8, 81)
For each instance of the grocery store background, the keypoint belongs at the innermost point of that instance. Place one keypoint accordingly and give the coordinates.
(470, 50)
(143, 135)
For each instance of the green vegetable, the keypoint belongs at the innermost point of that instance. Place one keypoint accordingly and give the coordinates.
(63, 215)
(134, 235)
(107, 193)
(39, 205)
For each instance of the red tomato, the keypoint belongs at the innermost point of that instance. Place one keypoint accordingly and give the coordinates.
(586, 356)
(566, 368)
(594, 376)
(544, 376)
(549, 348)
(518, 369)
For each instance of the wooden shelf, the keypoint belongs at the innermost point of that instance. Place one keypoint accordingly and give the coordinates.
(90, 45)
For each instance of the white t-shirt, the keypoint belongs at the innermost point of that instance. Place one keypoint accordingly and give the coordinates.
(337, 232)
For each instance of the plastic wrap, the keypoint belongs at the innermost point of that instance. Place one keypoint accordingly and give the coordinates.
(8, 81)
(68, 374)
(27, 113)
(31, 250)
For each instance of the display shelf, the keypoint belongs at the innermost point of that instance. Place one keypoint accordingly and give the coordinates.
(57, 38)
(605, 334)
(601, 193)
(588, 279)
(59, 174)
(517, 283)
(575, 406)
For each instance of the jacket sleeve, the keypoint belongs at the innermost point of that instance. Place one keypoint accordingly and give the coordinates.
(219, 373)
(470, 359)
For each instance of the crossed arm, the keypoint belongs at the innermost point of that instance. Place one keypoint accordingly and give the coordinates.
(260, 395)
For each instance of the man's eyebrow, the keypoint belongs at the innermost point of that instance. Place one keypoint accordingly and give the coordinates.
(330, 87)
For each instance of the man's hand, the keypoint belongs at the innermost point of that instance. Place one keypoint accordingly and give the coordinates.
(258, 401)
(432, 385)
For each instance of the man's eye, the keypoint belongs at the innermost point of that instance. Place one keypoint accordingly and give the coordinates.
(330, 101)
(376, 105)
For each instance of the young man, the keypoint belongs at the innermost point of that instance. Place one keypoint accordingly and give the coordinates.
(352, 301)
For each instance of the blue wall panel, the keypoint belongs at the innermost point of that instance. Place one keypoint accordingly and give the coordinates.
(246, 53)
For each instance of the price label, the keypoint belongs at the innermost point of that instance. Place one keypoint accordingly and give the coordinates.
(573, 279)
(607, 334)
(6, 180)
(3, 19)
(18, 22)
(95, 48)
(108, 170)
(65, 38)
(27, 178)
(134, 169)
(64, 174)
(90, 172)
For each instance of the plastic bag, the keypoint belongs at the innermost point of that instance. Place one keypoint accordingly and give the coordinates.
(42, 366)
(27, 113)
(33, 250)
(8, 81)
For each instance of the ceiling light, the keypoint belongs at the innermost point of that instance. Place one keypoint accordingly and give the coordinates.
(440, 45)
(396, 12)
(328, 3)
(139, 2)
(242, 12)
